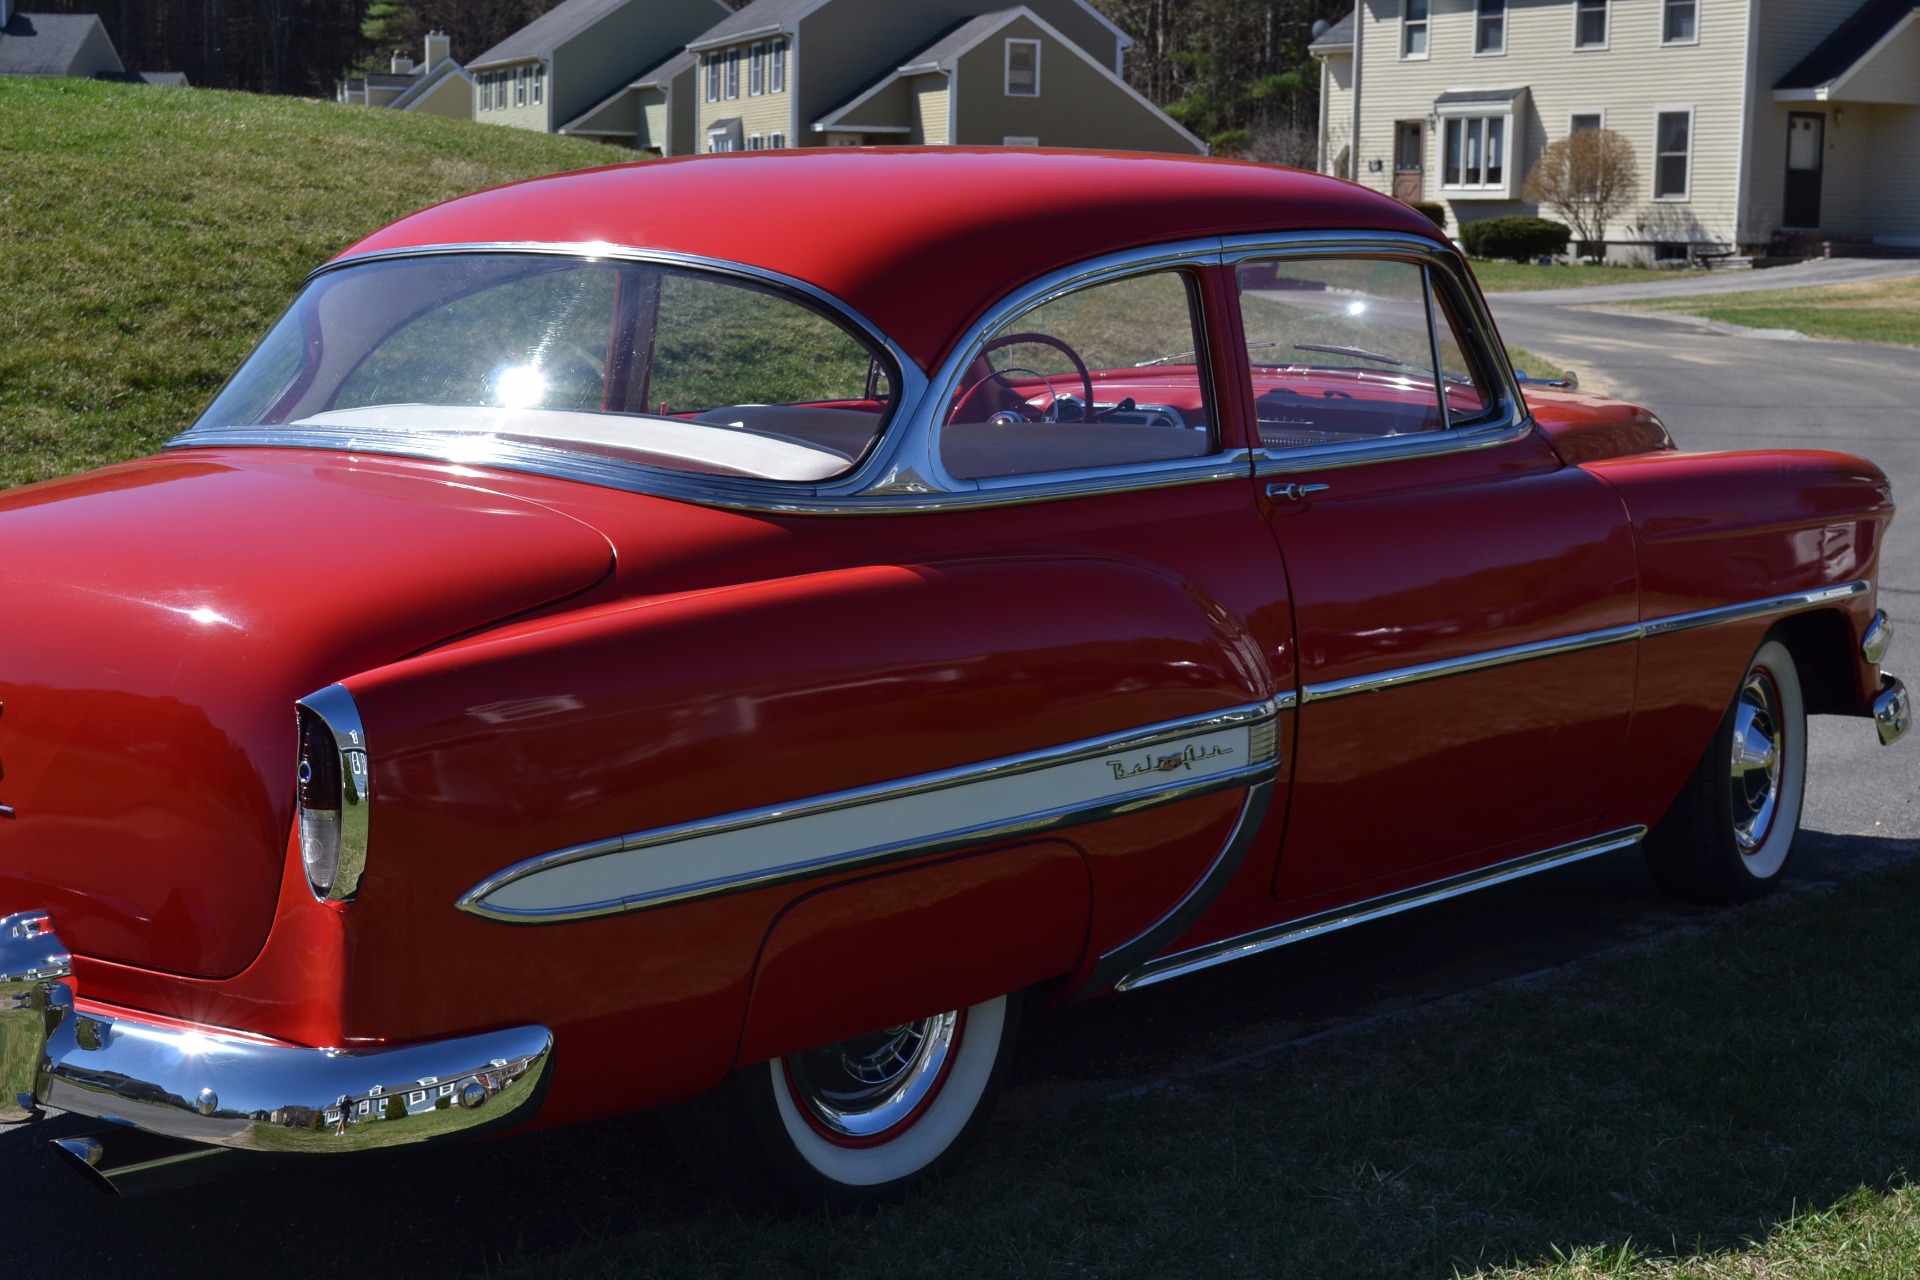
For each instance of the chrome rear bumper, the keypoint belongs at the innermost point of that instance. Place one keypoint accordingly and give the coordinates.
(1892, 711)
(230, 1090)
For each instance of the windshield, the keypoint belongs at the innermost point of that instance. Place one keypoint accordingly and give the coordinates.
(683, 369)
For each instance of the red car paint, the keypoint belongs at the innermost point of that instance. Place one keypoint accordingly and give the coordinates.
(543, 662)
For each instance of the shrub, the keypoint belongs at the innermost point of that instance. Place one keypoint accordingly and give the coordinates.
(1434, 210)
(1516, 238)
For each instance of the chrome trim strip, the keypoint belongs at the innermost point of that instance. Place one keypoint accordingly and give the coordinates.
(1252, 718)
(1129, 955)
(1251, 944)
(1421, 672)
(1892, 711)
(335, 708)
(1363, 453)
(1755, 608)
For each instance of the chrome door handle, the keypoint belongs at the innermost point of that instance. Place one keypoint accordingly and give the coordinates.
(1294, 492)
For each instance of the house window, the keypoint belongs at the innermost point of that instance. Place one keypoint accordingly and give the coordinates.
(418, 1098)
(757, 71)
(1023, 68)
(1476, 152)
(520, 86)
(733, 73)
(539, 83)
(756, 143)
(1413, 29)
(1679, 22)
(1672, 154)
(1585, 122)
(776, 141)
(713, 77)
(1589, 24)
(1490, 27)
(777, 67)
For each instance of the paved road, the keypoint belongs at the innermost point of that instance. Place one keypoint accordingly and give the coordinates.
(443, 1212)
(1821, 271)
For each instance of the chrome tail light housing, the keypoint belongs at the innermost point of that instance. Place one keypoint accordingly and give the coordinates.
(333, 793)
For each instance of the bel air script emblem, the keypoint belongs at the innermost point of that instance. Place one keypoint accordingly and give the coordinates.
(1150, 763)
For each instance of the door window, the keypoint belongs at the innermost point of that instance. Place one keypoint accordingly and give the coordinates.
(1105, 376)
(1343, 350)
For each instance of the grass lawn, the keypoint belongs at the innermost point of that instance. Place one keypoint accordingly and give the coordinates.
(1739, 1098)
(149, 237)
(1512, 277)
(1871, 311)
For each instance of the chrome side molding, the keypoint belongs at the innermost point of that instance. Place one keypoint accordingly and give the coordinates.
(1877, 638)
(1280, 935)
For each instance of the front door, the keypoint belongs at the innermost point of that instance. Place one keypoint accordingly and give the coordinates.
(1806, 149)
(1409, 168)
(1420, 570)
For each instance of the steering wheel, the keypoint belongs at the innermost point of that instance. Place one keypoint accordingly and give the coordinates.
(998, 397)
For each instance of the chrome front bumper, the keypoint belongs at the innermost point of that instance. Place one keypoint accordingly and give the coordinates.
(1892, 710)
(226, 1090)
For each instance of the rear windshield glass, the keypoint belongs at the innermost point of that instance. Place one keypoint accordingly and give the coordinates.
(681, 369)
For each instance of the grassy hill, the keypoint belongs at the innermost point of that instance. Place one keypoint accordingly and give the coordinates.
(148, 237)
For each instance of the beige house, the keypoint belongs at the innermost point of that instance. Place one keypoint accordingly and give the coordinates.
(1751, 120)
(435, 86)
(568, 63)
(786, 73)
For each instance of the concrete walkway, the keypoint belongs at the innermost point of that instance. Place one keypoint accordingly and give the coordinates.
(1820, 271)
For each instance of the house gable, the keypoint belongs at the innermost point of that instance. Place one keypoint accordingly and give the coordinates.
(1874, 56)
(56, 44)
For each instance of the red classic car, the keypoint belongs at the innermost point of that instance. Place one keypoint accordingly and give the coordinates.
(729, 632)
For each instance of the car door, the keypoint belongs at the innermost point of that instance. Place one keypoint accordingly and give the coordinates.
(1463, 602)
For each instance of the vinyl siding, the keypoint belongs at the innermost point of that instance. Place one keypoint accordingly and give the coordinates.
(452, 97)
(597, 61)
(1078, 106)
(1894, 132)
(845, 46)
(1336, 112)
(763, 113)
(655, 131)
(1787, 31)
(683, 113)
(530, 116)
(1894, 73)
(1631, 80)
(932, 110)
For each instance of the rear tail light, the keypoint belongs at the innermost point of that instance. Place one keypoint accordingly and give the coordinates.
(333, 793)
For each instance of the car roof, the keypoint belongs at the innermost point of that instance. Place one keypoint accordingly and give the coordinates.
(920, 240)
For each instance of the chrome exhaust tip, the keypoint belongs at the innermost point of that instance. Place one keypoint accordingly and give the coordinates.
(127, 1162)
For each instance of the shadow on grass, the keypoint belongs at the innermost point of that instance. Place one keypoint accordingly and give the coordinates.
(1685, 1092)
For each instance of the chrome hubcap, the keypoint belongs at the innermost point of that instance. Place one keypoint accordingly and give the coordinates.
(1759, 747)
(862, 1087)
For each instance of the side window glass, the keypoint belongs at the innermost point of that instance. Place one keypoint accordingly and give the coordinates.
(1469, 394)
(1105, 376)
(1339, 350)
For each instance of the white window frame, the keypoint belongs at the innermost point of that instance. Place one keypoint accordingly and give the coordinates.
(1019, 140)
(776, 141)
(539, 82)
(713, 77)
(1479, 18)
(520, 78)
(1600, 114)
(777, 66)
(756, 70)
(732, 61)
(1686, 194)
(1407, 26)
(1480, 112)
(756, 143)
(1606, 21)
(1665, 7)
(1007, 67)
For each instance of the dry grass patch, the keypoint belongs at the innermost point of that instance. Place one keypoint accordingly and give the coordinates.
(1869, 311)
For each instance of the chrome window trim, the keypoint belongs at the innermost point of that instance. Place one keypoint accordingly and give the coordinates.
(1259, 718)
(1419, 673)
(1261, 940)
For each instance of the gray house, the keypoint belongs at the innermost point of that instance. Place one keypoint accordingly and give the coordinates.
(573, 58)
(66, 44)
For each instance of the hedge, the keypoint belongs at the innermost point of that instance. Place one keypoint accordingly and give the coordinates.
(1517, 238)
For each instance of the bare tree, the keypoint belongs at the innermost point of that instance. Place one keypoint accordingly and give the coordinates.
(1589, 179)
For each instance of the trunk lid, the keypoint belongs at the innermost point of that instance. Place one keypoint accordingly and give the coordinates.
(162, 617)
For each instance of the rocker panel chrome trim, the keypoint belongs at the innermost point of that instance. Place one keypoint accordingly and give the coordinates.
(1313, 926)
(1671, 625)
(1251, 722)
